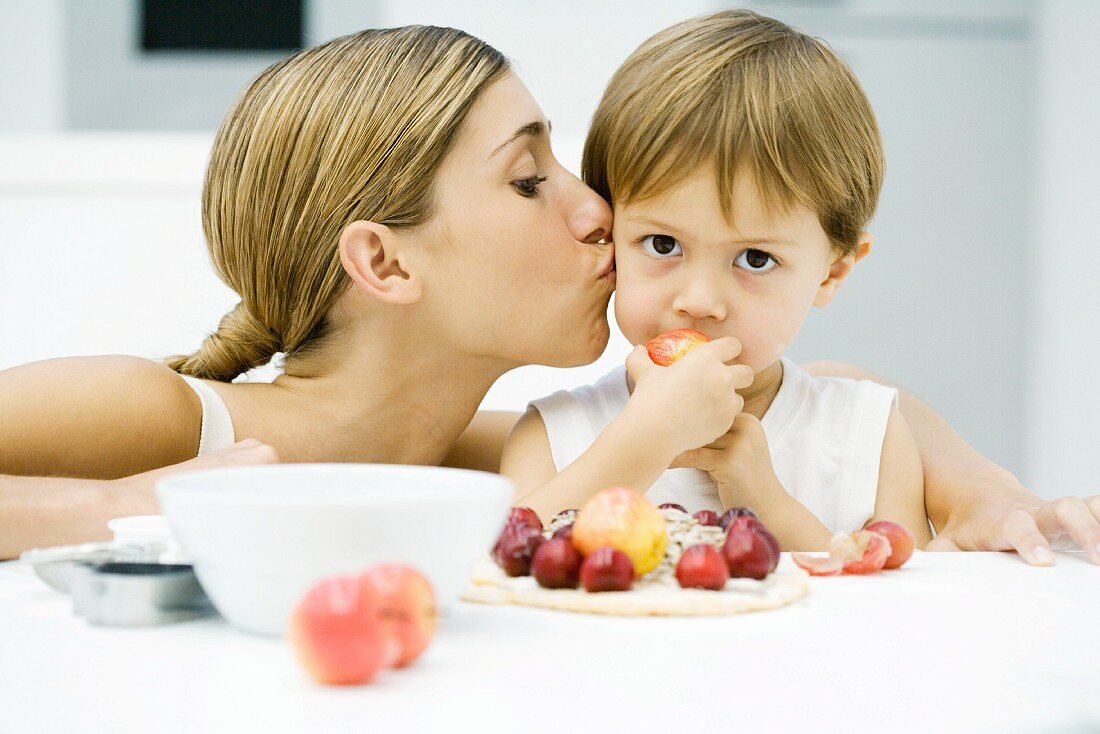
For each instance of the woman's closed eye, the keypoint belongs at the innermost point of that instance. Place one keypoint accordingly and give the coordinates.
(528, 187)
(755, 261)
(661, 246)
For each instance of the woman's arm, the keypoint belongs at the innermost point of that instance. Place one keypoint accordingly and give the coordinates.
(975, 504)
(95, 418)
(43, 511)
(67, 427)
(37, 512)
(482, 443)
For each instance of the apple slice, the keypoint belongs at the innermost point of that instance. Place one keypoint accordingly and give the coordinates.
(866, 552)
(856, 553)
(829, 565)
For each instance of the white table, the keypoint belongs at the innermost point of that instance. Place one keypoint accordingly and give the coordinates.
(952, 642)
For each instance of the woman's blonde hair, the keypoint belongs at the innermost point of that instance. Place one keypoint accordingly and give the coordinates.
(747, 93)
(353, 129)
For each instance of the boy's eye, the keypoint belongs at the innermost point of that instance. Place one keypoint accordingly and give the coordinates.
(528, 187)
(661, 245)
(756, 261)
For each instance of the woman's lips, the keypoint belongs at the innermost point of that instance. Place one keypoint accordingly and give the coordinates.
(608, 268)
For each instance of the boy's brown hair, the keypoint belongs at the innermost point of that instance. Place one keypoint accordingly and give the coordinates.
(745, 93)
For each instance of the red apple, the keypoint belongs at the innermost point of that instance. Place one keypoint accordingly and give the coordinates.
(901, 541)
(557, 564)
(338, 633)
(525, 515)
(733, 513)
(749, 553)
(863, 551)
(565, 531)
(607, 569)
(702, 567)
(754, 522)
(707, 517)
(664, 349)
(408, 608)
(516, 547)
(671, 506)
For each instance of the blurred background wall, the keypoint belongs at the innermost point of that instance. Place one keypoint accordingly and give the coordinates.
(978, 295)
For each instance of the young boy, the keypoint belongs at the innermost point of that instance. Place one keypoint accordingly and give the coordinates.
(743, 162)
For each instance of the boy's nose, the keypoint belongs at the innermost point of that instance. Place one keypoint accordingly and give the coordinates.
(700, 302)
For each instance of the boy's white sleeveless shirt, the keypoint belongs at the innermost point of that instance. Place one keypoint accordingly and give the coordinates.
(825, 436)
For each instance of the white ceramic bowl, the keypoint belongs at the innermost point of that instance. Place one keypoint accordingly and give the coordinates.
(260, 536)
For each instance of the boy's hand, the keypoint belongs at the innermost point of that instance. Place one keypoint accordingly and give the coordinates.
(691, 402)
(741, 465)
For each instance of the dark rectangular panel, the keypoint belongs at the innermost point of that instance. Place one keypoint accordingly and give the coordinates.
(221, 25)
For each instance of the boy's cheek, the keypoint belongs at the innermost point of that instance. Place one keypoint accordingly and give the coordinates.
(764, 340)
(638, 315)
(761, 353)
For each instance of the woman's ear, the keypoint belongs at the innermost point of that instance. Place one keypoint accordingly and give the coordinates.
(840, 270)
(375, 258)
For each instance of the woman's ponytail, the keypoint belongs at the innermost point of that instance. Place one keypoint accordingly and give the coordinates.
(240, 343)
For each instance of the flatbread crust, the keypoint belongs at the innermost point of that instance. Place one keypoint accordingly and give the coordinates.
(490, 585)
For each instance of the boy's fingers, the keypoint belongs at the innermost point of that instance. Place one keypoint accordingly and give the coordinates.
(725, 348)
(638, 363)
(746, 422)
(685, 460)
(702, 458)
(742, 375)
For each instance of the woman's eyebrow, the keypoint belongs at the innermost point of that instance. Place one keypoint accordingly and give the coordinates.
(534, 129)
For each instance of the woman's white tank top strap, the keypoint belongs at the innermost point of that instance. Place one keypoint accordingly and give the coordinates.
(217, 426)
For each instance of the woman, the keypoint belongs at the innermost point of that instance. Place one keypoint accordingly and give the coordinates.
(389, 210)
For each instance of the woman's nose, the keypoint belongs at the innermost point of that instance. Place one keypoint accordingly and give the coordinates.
(589, 215)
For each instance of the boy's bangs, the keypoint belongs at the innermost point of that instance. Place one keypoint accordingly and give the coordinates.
(746, 95)
(728, 138)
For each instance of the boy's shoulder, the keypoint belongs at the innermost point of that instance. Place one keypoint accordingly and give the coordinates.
(835, 407)
(574, 418)
(610, 392)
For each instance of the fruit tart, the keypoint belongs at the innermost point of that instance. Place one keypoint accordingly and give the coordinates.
(621, 555)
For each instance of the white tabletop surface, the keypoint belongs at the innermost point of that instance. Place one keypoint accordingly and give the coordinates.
(951, 642)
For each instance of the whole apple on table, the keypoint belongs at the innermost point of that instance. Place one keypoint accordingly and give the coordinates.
(347, 628)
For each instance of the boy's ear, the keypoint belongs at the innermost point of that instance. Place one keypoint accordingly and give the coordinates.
(376, 262)
(840, 270)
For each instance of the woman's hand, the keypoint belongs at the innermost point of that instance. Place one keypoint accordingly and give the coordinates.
(1028, 525)
(135, 493)
(979, 505)
(692, 401)
(38, 512)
